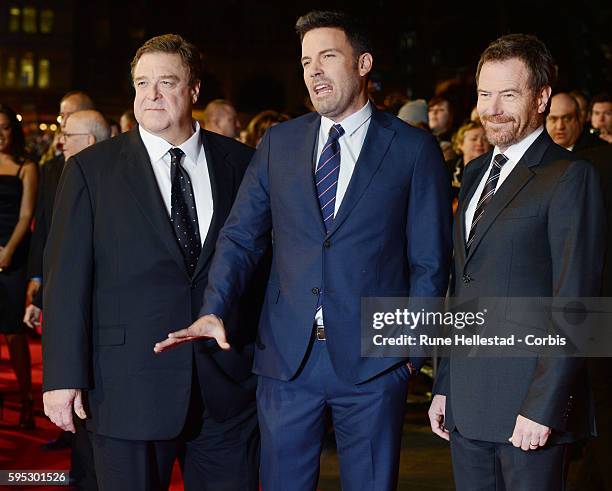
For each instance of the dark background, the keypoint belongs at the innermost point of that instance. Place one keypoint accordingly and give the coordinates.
(252, 53)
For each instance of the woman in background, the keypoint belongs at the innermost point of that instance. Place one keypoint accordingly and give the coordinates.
(18, 185)
(469, 143)
(259, 124)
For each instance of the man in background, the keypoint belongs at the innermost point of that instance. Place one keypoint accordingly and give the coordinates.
(601, 116)
(220, 117)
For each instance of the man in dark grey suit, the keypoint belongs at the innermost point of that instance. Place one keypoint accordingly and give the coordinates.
(530, 223)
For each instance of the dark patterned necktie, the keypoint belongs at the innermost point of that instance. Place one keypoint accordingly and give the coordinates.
(327, 173)
(183, 214)
(486, 195)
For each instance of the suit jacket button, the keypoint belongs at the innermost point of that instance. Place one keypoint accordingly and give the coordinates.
(327, 244)
(467, 278)
(315, 291)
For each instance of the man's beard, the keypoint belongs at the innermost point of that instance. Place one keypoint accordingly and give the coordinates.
(507, 136)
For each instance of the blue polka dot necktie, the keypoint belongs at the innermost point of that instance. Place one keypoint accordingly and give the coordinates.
(183, 214)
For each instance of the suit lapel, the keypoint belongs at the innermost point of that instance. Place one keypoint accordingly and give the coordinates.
(305, 156)
(374, 148)
(459, 222)
(140, 178)
(222, 185)
(520, 175)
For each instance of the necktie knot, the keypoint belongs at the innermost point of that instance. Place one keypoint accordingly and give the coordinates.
(336, 131)
(175, 155)
(499, 160)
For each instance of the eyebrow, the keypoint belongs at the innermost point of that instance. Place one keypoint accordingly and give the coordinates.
(172, 77)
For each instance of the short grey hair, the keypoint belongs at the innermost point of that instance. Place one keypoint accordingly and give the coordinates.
(96, 123)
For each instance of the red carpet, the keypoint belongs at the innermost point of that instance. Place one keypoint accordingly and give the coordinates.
(21, 449)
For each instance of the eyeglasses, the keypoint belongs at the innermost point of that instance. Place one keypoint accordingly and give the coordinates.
(65, 136)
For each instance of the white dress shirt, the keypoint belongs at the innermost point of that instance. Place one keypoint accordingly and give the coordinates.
(194, 162)
(514, 153)
(355, 130)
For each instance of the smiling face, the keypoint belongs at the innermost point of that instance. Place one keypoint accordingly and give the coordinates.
(164, 97)
(508, 108)
(333, 73)
(474, 144)
(6, 132)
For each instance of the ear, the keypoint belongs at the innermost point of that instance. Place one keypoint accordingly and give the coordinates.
(195, 91)
(365, 63)
(543, 98)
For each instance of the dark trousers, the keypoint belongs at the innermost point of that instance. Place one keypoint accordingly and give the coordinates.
(367, 420)
(490, 466)
(214, 456)
(82, 470)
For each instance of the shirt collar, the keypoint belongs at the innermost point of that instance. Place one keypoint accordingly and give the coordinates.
(515, 152)
(350, 124)
(157, 147)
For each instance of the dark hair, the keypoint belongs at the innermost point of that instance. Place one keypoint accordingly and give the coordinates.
(530, 50)
(603, 97)
(173, 44)
(434, 101)
(354, 29)
(17, 148)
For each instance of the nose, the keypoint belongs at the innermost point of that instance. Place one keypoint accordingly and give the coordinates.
(495, 106)
(315, 68)
(152, 92)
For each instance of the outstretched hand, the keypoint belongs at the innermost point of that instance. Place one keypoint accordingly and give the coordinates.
(208, 326)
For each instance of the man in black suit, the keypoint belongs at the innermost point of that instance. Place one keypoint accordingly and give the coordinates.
(530, 223)
(564, 128)
(135, 223)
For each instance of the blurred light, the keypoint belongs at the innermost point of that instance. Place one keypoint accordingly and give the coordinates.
(43, 127)
(59, 119)
(19, 117)
(53, 127)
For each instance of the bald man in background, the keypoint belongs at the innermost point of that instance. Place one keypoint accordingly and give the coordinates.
(50, 174)
(220, 117)
(83, 129)
(563, 124)
(80, 129)
(564, 127)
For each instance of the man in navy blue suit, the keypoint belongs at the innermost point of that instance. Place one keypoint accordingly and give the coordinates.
(359, 206)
